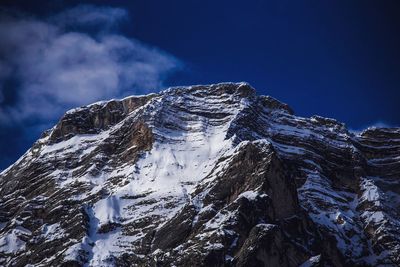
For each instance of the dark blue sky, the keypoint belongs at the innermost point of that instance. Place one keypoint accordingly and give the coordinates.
(337, 59)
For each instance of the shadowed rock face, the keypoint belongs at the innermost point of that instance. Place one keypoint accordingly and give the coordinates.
(95, 118)
(202, 176)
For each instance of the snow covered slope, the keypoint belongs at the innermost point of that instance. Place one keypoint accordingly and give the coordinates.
(205, 176)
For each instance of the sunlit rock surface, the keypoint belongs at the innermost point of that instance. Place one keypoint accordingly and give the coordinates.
(202, 176)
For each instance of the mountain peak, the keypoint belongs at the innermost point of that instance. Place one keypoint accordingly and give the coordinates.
(101, 115)
(204, 175)
(243, 89)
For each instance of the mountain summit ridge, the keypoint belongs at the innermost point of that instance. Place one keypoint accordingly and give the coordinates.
(205, 175)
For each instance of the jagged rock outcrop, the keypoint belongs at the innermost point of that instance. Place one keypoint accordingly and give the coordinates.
(202, 176)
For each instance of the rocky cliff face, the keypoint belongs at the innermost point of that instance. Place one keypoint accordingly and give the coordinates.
(202, 176)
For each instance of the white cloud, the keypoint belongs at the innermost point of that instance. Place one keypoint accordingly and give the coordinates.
(58, 68)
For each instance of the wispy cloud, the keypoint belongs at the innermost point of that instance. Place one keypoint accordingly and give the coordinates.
(70, 59)
(89, 16)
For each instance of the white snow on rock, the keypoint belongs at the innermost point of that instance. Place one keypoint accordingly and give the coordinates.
(311, 261)
(12, 242)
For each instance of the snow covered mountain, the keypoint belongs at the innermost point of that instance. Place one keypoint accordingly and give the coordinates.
(202, 176)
